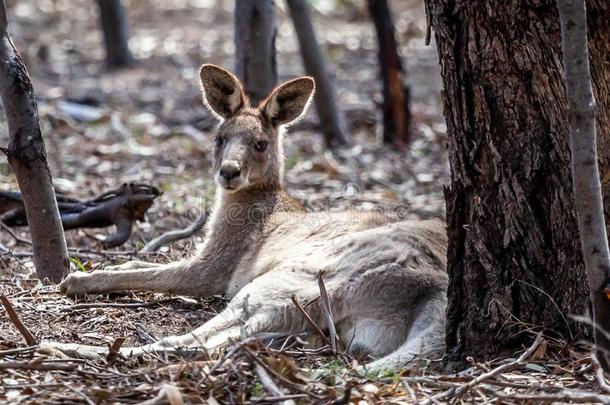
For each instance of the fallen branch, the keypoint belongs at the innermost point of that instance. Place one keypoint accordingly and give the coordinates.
(29, 338)
(174, 235)
(120, 207)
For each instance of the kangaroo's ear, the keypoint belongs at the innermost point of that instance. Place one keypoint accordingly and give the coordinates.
(222, 91)
(289, 101)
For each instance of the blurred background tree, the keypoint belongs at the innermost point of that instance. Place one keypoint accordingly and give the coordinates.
(115, 27)
(395, 105)
(255, 62)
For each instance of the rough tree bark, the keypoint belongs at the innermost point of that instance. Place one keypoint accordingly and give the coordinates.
(513, 256)
(27, 157)
(313, 59)
(585, 174)
(396, 113)
(115, 26)
(255, 32)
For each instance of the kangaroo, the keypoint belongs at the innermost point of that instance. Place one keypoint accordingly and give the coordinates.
(385, 278)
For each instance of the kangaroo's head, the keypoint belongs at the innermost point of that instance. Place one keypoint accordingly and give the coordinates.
(248, 153)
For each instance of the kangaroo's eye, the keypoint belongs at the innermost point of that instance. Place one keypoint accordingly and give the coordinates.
(260, 146)
(219, 141)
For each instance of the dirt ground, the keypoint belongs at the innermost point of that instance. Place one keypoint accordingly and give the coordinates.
(147, 124)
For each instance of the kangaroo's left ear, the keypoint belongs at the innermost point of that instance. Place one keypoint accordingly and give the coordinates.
(289, 101)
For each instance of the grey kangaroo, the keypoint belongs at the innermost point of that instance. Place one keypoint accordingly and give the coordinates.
(385, 277)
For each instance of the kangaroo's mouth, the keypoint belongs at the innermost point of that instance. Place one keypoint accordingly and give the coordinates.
(231, 185)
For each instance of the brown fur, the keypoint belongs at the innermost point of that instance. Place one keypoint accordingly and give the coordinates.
(385, 277)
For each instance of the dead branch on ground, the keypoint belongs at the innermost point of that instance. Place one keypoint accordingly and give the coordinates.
(120, 207)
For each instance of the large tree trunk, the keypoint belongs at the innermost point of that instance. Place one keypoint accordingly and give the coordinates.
(514, 256)
(115, 27)
(396, 114)
(27, 157)
(255, 31)
(313, 59)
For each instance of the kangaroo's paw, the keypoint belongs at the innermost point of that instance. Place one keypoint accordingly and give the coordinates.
(75, 285)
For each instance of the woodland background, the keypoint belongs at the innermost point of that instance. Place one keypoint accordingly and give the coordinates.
(146, 123)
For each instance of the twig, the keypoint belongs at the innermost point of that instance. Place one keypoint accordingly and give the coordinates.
(80, 394)
(281, 398)
(328, 313)
(175, 235)
(563, 396)
(460, 390)
(410, 391)
(114, 349)
(167, 391)
(19, 350)
(14, 235)
(599, 374)
(231, 353)
(309, 320)
(115, 304)
(279, 376)
(269, 384)
(185, 365)
(29, 338)
(35, 365)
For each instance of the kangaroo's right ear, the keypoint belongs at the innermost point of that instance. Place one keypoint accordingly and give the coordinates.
(222, 91)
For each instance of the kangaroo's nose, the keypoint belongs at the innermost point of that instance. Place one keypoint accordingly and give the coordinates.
(230, 170)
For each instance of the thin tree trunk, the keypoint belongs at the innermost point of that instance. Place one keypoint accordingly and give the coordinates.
(255, 32)
(27, 157)
(396, 114)
(585, 174)
(513, 258)
(115, 26)
(332, 127)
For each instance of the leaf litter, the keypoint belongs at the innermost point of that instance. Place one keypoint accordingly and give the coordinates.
(147, 124)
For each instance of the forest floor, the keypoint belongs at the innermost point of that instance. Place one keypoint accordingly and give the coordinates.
(147, 124)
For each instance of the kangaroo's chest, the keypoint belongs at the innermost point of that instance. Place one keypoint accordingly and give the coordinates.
(289, 247)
